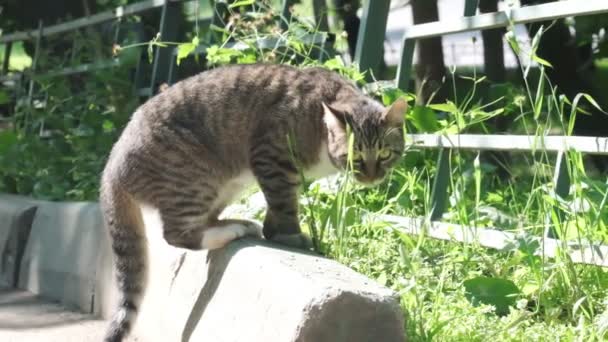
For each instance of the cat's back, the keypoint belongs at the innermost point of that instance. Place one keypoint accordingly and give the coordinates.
(202, 114)
(238, 84)
(241, 96)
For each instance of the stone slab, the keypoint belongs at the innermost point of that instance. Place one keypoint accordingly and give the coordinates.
(25, 317)
(16, 216)
(62, 253)
(256, 291)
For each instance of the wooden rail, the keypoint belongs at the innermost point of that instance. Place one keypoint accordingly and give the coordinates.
(513, 143)
(587, 253)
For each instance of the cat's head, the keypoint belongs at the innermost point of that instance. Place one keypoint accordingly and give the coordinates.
(378, 137)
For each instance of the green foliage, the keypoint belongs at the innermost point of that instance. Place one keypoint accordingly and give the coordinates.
(183, 50)
(501, 293)
(424, 119)
(58, 146)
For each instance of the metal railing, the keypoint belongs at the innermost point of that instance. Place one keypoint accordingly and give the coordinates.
(375, 14)
(163, 64)
(46, 31)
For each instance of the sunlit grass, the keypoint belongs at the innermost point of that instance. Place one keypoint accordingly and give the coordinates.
(19, 60)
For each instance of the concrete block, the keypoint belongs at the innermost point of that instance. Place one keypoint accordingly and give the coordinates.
(256, 291)
(16, 216)
(62, 254)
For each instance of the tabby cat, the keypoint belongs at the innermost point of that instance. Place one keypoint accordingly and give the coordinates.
(189, 151)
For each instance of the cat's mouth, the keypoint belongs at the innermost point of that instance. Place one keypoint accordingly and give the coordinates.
(368, 181)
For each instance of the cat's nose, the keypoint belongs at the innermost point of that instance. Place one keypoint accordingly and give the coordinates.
(370, 170)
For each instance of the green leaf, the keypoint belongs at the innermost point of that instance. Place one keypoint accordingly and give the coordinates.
(493, 197)
(510, 36)
(448, 107)
(477, 168)
(530, 289)
(185, 49)
(241, 3)
(107, 126)
(382, 279)
(474, 79)
(424, 119)
(391, 95)
(7, 139)
(501, 293)
(334, 63)
(247, 58)
(541, 61)
(218, 55)
(4, 98)
(219, 29)
(538, 102)
(592, 101)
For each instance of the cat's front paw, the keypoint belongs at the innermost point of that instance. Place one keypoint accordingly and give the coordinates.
(301, 240)
(253, 228)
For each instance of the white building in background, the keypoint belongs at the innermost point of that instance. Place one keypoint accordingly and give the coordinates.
(458, 49)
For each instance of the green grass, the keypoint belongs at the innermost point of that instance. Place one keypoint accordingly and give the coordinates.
(19, 59)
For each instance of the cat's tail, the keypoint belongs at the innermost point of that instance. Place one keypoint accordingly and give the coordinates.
(123, 219)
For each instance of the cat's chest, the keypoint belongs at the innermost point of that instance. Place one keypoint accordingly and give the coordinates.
(235, 186)
(322, 168)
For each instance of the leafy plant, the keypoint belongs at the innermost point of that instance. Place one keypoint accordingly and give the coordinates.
(501, 293)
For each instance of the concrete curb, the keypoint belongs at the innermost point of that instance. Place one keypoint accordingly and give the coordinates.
(61, 257)
(254, 291)
(249, 291)
(16, 216)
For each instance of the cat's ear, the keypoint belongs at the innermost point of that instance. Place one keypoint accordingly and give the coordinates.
(333, 117)
(395, 114)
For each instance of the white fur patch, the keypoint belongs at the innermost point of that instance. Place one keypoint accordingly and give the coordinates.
(218, 237)
(323, 167)
(233, 188)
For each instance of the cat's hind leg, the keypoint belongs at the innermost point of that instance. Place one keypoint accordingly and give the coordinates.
(197, 232)
(221, 232)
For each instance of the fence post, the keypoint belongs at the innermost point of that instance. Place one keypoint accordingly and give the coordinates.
(285, 14)
(163, 56)
(470, 7)
(404, 69)
(139, 81)
(439, 193)
(370, 42)
(220, 9)
(7, 57)
(319, 8)
(561, 181)
(320, 12)
(30, 91)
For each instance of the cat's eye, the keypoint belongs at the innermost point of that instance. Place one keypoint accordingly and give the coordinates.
(384, 154)
(357, 155)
